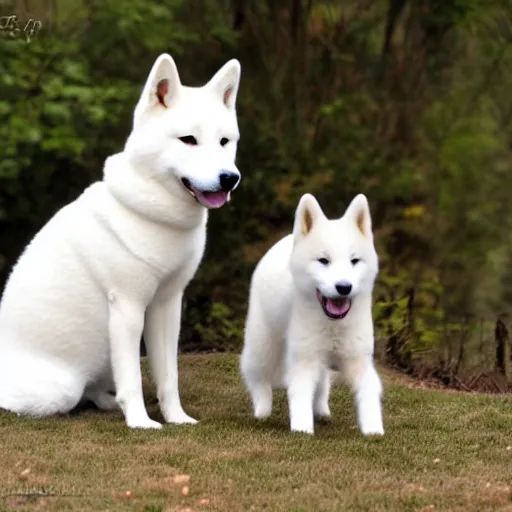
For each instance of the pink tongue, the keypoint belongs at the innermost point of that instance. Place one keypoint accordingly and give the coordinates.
(212, 199)
(337, 306)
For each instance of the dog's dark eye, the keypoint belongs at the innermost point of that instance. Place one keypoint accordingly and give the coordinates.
(355, 261)
(223, 141)
(189, 139)
(323, 261)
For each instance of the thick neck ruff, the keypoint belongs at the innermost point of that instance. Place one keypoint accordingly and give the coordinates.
(147, 197)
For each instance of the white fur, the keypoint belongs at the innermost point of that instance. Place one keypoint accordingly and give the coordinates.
(115, 262)
(289, 340)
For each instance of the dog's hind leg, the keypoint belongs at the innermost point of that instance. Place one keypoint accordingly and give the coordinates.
(260, 390)
(101, 398)
(102, 394)
(321, 400)
(35, 386)
(259, 362)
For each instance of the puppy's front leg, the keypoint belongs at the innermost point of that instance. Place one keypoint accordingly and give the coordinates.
(302, 379)
(126, 319)
(366, 385)
(161, 333)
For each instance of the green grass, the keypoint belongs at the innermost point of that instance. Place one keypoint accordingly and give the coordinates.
(441, 451)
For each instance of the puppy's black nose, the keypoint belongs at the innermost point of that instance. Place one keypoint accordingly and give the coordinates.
(228, 180)
(343, 287)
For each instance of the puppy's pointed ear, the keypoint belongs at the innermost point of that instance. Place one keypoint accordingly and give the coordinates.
(308, 213)
(225, 83)
(359, 212)
(161, 90)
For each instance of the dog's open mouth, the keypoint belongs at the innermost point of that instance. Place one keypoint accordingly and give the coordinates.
(336, 308)
(207, 199)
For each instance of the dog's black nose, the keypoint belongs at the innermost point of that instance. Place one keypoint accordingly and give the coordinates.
(343, 288)
(228, 180)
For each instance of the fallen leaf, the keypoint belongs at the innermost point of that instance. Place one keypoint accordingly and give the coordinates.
(24, 474)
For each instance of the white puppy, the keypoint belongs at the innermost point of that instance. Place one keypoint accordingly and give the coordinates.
(310, 311)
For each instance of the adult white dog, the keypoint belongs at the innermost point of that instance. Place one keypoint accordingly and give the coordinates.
(114, 263)
(310, 311)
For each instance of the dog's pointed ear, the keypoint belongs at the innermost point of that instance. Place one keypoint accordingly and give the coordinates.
(359, 211)
(308, 213)
(161, 90)
(225, 83)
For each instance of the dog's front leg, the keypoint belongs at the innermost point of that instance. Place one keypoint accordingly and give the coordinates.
(126, 319)
(161, 333)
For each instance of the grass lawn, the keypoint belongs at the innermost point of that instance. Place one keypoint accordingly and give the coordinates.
(441, 451)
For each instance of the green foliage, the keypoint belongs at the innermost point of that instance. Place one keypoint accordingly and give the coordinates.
(219, 327)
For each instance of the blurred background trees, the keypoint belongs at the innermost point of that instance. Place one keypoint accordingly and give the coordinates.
(407, 101)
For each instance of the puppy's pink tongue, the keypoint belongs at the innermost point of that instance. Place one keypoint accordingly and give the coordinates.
(212, 199)
(337, 306)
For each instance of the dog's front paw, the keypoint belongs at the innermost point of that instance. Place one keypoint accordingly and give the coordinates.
(301, 417)
(180, 418)
(373, 432)
(305, 425)
(370, 416)
(305, 429)
(262, 410)
(143, 423)
(373, 429)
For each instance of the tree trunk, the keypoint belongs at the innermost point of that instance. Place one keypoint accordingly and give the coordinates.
(502, 349)
(395, 8)
(239, 7)
(464, 335)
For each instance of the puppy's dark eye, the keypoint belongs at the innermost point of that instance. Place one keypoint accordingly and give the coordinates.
(355, 261)
(323, 261)
(223, 141)
(189, 139)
